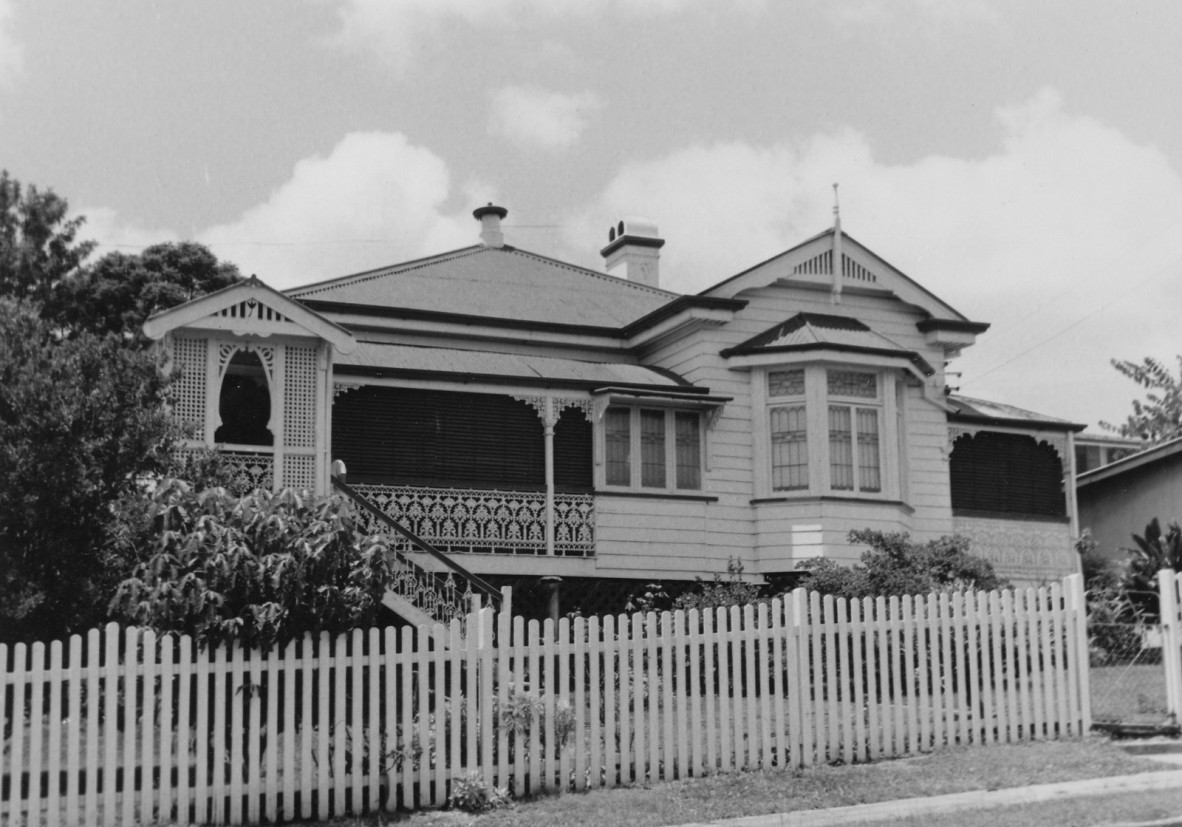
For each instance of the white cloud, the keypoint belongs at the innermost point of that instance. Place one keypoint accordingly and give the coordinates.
(375, 199)
(116, 235)
(535, 117)
(12, 52)
(1068, 223)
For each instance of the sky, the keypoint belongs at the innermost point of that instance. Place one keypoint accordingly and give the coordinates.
(1023, 161)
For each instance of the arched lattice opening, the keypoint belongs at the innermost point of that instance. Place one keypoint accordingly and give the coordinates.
(245, 402)
(1006, 474)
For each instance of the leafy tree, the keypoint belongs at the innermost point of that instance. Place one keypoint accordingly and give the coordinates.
(1159, 417)
(260, 569)
(894, 565)
(119, 291)
(38, 246)
(80, 422)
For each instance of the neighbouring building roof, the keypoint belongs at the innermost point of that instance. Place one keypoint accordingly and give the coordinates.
(1124, 465)
(396, 360)
(815, 331)
(968, 409)
(497, 282)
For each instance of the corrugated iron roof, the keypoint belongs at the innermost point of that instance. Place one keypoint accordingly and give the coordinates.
(970, 408)
(499, 282)
(377, 357)
(808, 331)
(819, 329)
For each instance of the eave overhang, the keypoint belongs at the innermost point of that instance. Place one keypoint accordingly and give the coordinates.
(868, 357)
(1022, 424)
(364, 371)
(951, 334)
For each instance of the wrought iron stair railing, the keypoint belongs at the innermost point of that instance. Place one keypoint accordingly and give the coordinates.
(423, 575)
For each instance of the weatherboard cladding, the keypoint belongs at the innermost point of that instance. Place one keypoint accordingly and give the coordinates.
(371, 357)
(503, 282)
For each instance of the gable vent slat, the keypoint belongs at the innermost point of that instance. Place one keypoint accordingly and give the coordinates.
(818, 265)
(851, 269)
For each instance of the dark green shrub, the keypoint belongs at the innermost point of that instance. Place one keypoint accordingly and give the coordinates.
(261, 569)
(894, 565)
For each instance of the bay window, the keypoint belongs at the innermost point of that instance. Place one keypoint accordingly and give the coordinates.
(827, 429)
(653, 449)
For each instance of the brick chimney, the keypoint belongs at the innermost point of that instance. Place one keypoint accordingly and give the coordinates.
(490, 224)
(633, 251)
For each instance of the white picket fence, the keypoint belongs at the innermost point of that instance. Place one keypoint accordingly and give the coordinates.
(127, 727)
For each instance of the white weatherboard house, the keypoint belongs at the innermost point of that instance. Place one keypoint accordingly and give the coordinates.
(532, 418)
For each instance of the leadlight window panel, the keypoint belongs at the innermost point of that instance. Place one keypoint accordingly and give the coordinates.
(688, 449)
(869, 463)
(785, 383)
(618, 438)
(841, 449)
(652, 449)
(790, 453)
(852, 383)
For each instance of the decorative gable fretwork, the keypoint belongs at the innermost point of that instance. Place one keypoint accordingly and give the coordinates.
(252, 309)
(822, 265)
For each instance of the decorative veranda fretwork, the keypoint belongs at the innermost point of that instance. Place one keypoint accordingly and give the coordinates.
(550, 408)
(502, 522)
(250, 470)
(1055, 440)
(419, 578)
(1022, 551)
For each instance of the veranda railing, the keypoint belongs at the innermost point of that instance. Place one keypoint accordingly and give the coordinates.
(125, 727)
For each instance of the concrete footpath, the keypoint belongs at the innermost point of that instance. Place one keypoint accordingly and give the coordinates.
(975, 800)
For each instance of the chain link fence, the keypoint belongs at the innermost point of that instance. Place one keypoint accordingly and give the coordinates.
(1127, 675)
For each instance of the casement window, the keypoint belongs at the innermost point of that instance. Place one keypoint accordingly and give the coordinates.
(826, 429)
(652, 449)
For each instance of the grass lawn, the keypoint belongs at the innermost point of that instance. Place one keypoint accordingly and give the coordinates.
(742, 794)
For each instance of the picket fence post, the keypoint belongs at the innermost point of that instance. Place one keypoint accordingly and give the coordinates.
(1171, 633)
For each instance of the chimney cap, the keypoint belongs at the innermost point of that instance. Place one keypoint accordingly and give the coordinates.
(632, 231)
(489, 209)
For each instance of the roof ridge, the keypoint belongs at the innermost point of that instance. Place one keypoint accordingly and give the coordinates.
(387, 270)
(608, 277)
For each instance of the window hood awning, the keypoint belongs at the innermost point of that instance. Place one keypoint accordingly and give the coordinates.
(815, 332)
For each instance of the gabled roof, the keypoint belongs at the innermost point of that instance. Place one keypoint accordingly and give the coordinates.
(455, 364)
(249, 307)
(860, 267)
(821, 331)
(968, 409)
(493, 282)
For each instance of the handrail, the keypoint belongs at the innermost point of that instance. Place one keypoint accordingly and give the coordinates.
(488, 591)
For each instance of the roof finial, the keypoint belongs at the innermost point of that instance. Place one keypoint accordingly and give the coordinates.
(838, 255)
